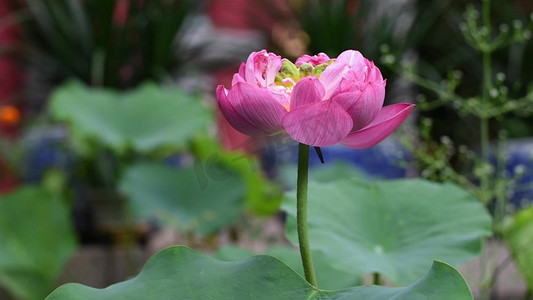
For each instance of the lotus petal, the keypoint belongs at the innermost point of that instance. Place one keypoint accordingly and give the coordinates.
(309, 90)
(388, 119)
(251, 110)
(324, 123)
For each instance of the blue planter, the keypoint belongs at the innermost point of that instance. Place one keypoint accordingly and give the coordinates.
(45, 150)
(380, 161)
(520, 156)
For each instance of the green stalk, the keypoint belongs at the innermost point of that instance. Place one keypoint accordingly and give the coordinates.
(487, 86)
(301, 214)
(486, 259)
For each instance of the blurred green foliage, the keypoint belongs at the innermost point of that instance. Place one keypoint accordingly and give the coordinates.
(105, 42)
(443, 46)
(154, 122)
(263, 196)
(36, 240)
(518, 234)
(332, 26)
(152, 144)
(176, 198)
(149, 120)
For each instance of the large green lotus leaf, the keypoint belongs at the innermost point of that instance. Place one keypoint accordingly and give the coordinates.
(176, 197)
(146, 119)
(396, 228)
(518, 234)
(328, 278)
(181, 273)
(36, 239)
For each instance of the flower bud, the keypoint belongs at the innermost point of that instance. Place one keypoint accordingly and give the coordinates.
(306, 70)
(320, 68)
(288, 70)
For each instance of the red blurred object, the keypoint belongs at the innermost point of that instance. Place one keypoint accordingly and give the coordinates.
(7, 185)
(7, 33)
(7, 181)
(10, 79)
(10, 75)
(9, 115)
(10, 85)
(526, 5)
(120, 15)
(248, 14)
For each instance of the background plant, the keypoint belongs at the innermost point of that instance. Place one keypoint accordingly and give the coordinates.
(111, 43)
(484, 174)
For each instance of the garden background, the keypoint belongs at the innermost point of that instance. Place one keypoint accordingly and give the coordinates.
(112, 146)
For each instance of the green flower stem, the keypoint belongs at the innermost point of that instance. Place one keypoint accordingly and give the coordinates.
(301, 214)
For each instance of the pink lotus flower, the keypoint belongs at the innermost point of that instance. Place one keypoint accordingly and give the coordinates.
(318, 101)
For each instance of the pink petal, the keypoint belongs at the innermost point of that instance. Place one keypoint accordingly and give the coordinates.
(307, 91)
(242, 70)
(332, 76)
(282, 98)
(388, 119)
(238, 122)
(251, 65)
(257, 107)
(237, 78)
(261, 68)
(363, 106)
(386, 122)
(314, 60)
(321, 124)
(354, 59)
(373, 74)
(273, 67)
(250, 110)
(351, 82)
